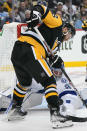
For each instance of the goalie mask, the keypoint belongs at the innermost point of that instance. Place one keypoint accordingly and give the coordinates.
(57, 73)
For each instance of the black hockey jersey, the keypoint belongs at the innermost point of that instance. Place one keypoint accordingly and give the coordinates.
(51, 30)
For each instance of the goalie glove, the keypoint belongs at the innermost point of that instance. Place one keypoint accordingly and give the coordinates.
(34, 19)
(84, 25)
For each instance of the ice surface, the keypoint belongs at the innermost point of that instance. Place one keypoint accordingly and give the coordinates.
(39, 120)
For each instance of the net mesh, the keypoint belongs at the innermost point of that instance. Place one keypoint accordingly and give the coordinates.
(10, 33)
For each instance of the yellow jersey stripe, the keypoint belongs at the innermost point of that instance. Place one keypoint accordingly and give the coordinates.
(35, 44)
(51, 94)
(25, 89)
(52, 85)
(45, 67)
(17, 94)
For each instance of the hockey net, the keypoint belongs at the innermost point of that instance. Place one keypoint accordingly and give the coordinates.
(9, 35)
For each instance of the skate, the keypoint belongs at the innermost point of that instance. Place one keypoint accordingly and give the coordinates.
(15, 112)
(58, 120)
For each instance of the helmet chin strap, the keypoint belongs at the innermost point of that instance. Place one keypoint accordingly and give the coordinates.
(65, 33)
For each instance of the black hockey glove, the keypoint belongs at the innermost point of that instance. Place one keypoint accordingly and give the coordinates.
(56, 62)
(34, 19)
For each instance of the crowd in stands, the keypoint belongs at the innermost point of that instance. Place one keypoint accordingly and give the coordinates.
(74, 11)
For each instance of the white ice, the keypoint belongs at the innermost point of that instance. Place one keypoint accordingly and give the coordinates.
(39, 120)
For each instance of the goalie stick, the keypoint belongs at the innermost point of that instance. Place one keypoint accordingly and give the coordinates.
(51, 53)
(64, 72)
(30, 92)
(73, 118)
(78, 119)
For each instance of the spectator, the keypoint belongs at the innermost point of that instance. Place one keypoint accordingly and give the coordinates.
(59, 13)
(76, 2)
(17, 16)
(9, 19)
(66, 7)
(7, 5)
(3, 15)
(22, 9)
(2, 1)
(28, 4)
(84, 3)
(27, 15)
(59, 6)
(81, 10)
(78, 23)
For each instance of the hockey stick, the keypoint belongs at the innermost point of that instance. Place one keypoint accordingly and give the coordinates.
(64, 72)
(78, 119)
(49, 51)
(29, 94)
(3, 95)
(45, 43)
(28, 97)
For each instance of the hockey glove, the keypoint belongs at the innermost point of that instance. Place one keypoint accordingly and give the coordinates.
(84, 25)
(34, 20)
(56, 62)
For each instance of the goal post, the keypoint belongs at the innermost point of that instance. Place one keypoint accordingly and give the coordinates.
(9, 35)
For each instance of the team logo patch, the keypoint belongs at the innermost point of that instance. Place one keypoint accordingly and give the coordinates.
(63, 80)
(43, 74)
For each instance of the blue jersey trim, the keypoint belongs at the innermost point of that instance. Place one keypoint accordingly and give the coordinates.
(68, 101)
(67, 92)
(85, 101)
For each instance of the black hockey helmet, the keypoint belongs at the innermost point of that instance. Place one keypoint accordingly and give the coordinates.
(71, 28)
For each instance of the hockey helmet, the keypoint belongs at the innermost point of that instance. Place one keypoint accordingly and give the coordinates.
(71, 29)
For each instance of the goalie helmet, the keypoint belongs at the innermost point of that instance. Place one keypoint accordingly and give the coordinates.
(57, 73)
(71, 29)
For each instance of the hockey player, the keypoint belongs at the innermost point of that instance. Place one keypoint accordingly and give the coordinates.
(71, 100)
(29, 60)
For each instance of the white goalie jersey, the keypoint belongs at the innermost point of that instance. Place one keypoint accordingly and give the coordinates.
(35, 96)
(68, 93)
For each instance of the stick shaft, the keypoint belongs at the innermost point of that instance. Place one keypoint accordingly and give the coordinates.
(45, 43)
(64, 72)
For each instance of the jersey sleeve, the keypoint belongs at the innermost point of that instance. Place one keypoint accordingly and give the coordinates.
(47, 17)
